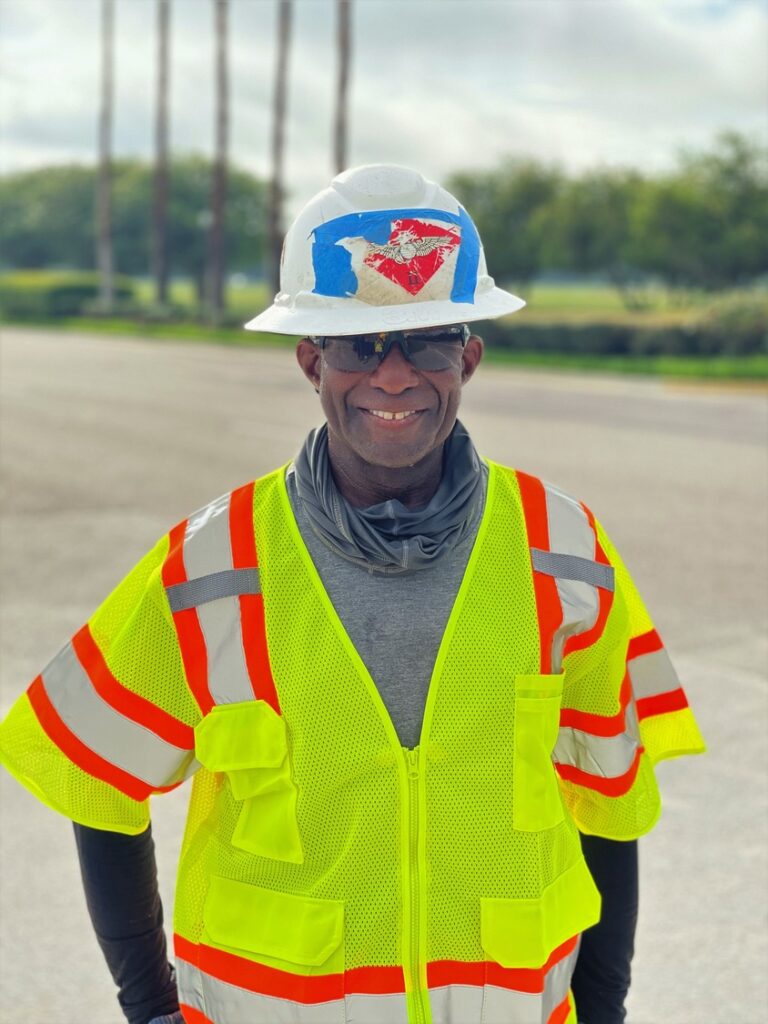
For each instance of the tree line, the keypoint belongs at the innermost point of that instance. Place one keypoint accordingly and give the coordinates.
(702, 225)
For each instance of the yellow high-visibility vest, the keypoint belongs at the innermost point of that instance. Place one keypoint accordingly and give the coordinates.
(327, 873)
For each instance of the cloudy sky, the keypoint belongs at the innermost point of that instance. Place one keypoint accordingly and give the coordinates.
(437, 84)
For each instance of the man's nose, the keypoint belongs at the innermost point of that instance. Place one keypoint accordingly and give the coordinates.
(394, 373)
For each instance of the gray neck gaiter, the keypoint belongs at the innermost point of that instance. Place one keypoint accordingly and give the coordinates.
(388, 537)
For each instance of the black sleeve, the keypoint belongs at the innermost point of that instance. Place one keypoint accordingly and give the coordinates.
(120, 880)
(603, 970)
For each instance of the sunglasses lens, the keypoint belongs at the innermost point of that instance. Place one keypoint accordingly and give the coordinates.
(426, 350)
(434, 351)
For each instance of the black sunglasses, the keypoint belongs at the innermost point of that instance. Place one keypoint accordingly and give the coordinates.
(437, 348)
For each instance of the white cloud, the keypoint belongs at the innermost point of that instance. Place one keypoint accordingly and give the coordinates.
(439, 84)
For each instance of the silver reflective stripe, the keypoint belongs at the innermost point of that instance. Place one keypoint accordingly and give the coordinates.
(228, 1004)
(609, 757)
(189, 982)
(119, 740)
(570, 536)
(573, 567)
(652, 673)
(506, 1006)
(207, 548)
(202, 589)
(569, 528)
(389, 1008)
(456, 1004)
(208, 554)
(558, 982)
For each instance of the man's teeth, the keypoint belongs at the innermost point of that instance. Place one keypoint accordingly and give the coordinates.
(392, 415)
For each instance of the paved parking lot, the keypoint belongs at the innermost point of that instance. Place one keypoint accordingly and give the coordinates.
(105, 443)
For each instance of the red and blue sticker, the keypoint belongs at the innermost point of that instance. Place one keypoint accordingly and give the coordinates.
(405, 246)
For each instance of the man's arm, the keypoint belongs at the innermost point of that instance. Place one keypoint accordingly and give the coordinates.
(603, 970)
(120, 880)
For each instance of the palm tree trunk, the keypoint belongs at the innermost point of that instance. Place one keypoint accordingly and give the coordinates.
(344, 35)
(277, 190)
(104, 195)
(160, 198)
(216, 242)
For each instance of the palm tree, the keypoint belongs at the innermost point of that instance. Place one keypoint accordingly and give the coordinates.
(344, 35)
(160, 198)
(278, 137)
(216, 240)
(104, 189)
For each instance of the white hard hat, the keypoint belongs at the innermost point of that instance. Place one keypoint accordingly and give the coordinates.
(381, 249)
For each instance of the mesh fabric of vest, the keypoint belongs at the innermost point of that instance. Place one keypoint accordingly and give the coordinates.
(349, 766)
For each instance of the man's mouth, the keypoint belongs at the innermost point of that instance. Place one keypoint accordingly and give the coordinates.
(383, 415)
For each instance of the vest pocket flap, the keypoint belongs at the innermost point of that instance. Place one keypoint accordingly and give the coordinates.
(298, 929)
(524, 932)
(249, 734)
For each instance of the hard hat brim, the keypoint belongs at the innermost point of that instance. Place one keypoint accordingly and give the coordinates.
(322, 316)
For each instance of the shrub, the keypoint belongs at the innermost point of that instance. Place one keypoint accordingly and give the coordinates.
(736, 325)
(45, 294)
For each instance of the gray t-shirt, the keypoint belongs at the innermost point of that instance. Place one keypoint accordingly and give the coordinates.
(395, 622)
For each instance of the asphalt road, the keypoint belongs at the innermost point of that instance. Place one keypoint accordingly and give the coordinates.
(106, 443)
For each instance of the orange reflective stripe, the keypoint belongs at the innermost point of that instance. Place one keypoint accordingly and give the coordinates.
(125, 701)
(81, 755)
(374, 981)
(646, 643)
(548, 607)
(254, 630)
(605, 597)
(193, 1016)
(661, 704)
(271, 981)
(194, 654)
(488, 972)
(560, 1013)
(600, 725)
(616, 786)
(255, 977)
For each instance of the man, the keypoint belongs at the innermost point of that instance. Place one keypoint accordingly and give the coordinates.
(405, 679)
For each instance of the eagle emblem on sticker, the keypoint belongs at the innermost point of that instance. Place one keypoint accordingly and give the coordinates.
(413, 254)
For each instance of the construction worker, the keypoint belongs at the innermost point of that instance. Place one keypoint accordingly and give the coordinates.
(415, 688)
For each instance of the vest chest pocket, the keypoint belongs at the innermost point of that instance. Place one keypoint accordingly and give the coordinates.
(536, 800)
(296, 948)
(531, 947)
(248, 741)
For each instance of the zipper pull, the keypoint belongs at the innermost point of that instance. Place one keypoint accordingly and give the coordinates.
(413, 762)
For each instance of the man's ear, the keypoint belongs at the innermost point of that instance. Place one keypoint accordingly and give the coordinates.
(473, 353)
(308, 357)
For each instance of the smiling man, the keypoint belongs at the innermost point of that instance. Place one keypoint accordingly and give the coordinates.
(415, 689)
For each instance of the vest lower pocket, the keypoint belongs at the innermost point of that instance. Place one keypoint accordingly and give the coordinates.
(248, 741)
(530, 948)
(282, 951)
(536, 800)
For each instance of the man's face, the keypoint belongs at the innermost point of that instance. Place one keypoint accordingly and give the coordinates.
(356, 404)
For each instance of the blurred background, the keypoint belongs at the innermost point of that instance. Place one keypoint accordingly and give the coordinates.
(612, 152)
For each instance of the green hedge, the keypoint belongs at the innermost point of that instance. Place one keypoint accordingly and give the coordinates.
(39, 294)
(733, 326)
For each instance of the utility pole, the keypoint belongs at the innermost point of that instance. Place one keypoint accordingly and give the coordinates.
(344, 45)
(104, 188)
(277, 190)
(216, 241)
(160, 197)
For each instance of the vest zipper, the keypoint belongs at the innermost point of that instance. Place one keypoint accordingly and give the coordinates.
(419, 1015)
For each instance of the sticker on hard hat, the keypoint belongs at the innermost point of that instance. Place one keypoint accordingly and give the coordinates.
(414, 253)
(387, 257)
